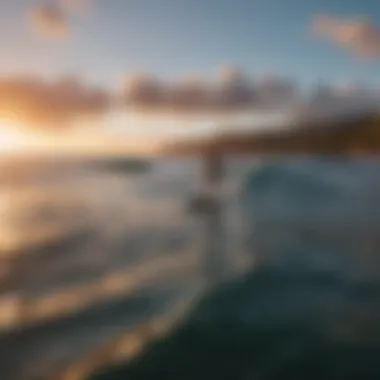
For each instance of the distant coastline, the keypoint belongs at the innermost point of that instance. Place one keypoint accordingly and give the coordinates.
(354, 136)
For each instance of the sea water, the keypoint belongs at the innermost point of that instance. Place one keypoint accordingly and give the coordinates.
(87, 254)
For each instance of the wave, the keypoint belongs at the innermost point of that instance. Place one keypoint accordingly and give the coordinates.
(322, 213)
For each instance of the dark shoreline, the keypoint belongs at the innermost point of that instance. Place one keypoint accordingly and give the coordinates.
(358, 135)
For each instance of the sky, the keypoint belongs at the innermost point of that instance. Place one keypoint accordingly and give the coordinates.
(172, 37)
(100, 43)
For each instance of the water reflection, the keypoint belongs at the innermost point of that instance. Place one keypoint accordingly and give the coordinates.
(70, 244)
(100, 257)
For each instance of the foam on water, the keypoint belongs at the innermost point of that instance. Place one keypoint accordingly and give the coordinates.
(315, 215)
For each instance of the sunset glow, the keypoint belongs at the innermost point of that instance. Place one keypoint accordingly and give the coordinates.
(13, 137)
(70, 89)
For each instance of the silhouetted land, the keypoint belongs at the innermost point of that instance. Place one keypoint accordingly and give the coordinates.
(355, 135)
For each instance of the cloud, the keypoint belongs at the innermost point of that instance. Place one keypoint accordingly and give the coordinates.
(50, 20)
(231, 91)
(277, 91)
(326, 101)
(234, 90)
(143, 91)
(58, 104)
(188, 93)
(50, 105)
(356, 34)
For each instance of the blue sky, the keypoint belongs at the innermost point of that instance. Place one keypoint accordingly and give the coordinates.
(169, 39)
(173, 37)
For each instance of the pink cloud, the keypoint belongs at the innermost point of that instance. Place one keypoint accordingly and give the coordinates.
(355, 34)
(50, 20)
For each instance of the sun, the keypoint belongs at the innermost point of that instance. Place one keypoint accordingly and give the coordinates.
(14, 137)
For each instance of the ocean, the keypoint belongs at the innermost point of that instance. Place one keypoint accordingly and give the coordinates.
(96, 261)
